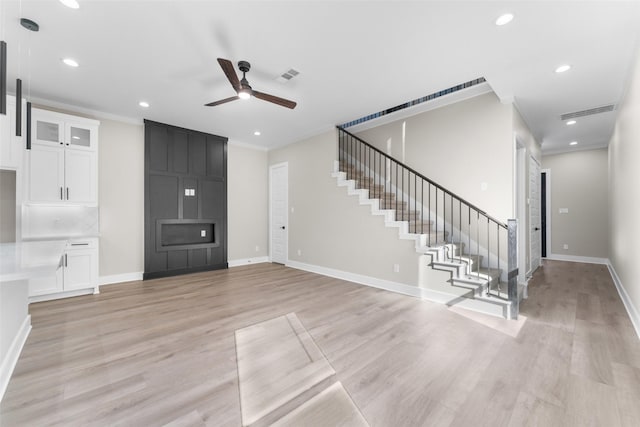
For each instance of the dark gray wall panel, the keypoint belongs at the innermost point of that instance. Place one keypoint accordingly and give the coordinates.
(178, 159)
(160, 186)
(190, 203)
(216, 159)
(159, 150)
(197, 257)
(177, 259)
(197, 154)
(180, 155)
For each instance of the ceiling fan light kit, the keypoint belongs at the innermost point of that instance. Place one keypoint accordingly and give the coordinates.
(243, 88)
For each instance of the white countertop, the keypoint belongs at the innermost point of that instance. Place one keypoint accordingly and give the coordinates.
(25, 260)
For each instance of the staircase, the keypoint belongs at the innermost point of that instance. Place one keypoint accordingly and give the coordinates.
(455, 234)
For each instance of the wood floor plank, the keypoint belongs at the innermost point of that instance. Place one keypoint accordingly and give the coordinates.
(162, 352)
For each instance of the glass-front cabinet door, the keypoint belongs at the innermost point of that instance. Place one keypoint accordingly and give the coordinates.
(48, 131)
(80, 136)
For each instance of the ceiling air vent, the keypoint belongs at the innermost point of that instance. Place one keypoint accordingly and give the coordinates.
(589, 112)
(287, 75)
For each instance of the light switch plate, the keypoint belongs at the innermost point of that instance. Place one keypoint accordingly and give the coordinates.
(203, 233)
(563, 210)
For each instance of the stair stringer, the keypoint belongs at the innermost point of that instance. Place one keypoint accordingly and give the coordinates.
(461, 290)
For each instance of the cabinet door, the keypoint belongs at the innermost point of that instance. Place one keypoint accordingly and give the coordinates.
(46, 174)
(46, 130)
(80, 176)
(80, 136)
(46, 285)
(79, 269)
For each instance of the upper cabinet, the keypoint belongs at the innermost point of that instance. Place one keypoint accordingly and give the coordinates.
(11, 146)
(50, 128)
(63, 162)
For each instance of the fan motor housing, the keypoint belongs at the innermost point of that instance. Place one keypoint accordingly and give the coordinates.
(244, 66)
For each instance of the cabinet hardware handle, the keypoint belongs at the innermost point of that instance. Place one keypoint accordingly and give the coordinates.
(79, 244)
(67, 193)
(61, 196)
(65, 260)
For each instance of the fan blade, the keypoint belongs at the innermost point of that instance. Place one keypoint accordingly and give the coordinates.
(222, 101)
(274, 99)
(227, 67)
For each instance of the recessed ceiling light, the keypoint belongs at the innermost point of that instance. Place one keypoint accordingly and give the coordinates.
(563, 68)
(257, 133)
(571, 122)
(573, 143)
(504, 19)
(143, 104)
(70, 62)
(73, 4)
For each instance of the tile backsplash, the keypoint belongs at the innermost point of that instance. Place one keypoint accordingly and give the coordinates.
(43, 221)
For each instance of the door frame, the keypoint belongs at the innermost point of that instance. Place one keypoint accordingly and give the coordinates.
(530, 268)
(520, 206)
(272, 168)
(547, 212)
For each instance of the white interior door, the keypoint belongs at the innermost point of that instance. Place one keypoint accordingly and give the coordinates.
(534, 215)
(278, 206)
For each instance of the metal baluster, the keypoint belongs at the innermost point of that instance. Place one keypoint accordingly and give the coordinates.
(436, 213)
(488, 258)
(478, 238)
(422, 206)
(498, 248)
(444, 215)
(460, 231)
(469, 235)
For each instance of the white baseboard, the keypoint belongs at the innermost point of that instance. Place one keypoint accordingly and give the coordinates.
(119, 278)
(247, 261)
(633, 312)
(402, 288)
(374, 282)
(575, 258)
(11, 358)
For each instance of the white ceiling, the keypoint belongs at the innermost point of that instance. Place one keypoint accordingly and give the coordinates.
(355, 58)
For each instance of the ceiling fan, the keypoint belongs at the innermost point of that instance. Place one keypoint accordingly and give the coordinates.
(242, 88)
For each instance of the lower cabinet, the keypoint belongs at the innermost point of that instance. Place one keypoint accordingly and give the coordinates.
(77, 273)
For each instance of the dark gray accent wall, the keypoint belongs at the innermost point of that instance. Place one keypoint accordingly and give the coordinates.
(185, 201)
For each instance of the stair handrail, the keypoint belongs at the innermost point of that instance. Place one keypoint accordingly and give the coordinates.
(435, 184)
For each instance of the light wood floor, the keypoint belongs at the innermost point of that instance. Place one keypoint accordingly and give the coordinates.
(162, 352)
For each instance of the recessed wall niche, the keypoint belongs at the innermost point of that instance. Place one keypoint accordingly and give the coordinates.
(185, 201)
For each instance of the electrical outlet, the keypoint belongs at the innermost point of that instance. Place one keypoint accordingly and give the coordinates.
(396, 268)
(566, 246)
(299, 252)
(203, 233)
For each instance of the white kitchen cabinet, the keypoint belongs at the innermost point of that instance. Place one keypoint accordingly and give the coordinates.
(77, 274)
(63, 162)
(51, 128)
(11, 146)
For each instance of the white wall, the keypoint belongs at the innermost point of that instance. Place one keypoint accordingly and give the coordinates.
(330, 228)
(247, 203)
(579, 182)
(624, 195)
(459, 146)
(121, 198)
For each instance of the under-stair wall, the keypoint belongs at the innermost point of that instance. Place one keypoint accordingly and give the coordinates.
(335, 234)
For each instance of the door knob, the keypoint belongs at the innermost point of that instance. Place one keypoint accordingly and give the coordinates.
(537, 228)
(282, 227)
